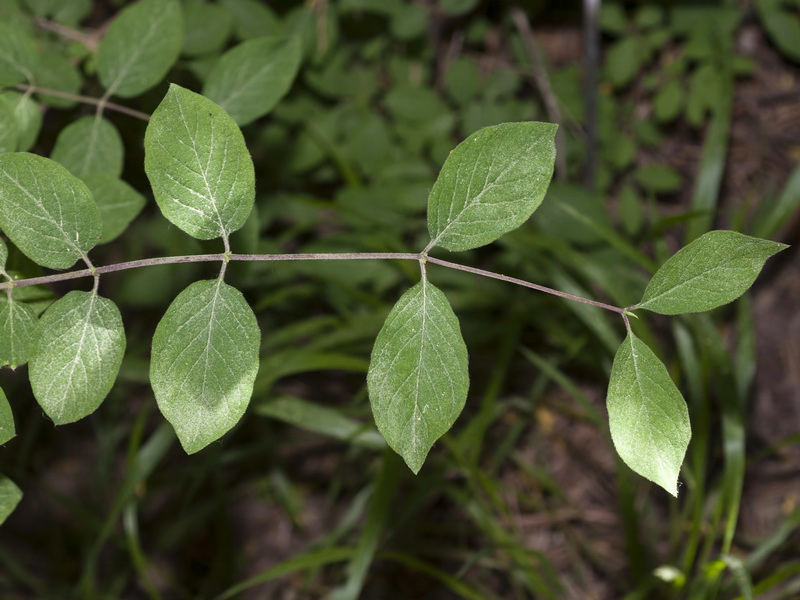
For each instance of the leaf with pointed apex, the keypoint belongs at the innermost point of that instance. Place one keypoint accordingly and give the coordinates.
(10, 495)
(17, 329)
(713, 270)
(76, 355)
(47, 212)
(198, 165)
(490, 184)
(250, 78)
(204, 362)
(17, 56)
(7, 428)
(89, 146)
(140, 46)
(647, 415)
(118, 202)
(418, 375)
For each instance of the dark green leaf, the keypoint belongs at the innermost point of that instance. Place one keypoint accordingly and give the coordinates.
(28, 118)
(17, 329)
(8, 127)
(658, 179)
(207, 28)
(10, 495)
(118, 202)
(17, 56)
(7, 428)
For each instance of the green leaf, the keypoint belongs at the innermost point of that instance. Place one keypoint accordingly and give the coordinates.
(89, 146)
(198, 164)
(418, 376)
(17, 56)
(204, 362)
(713, 270)
(253, 18)
(207, 28)
(141, 45)
(54, 71)
(250, 79)
(490, 184)
(17, 329)
(68, 12)
(669, 101)
(10, 495)
(76, 355)
(647, 415)
(118, 202)
(8, 127)
(47, 212)
(28, 117)
(7, 428)
(658, 179)
(456, 8)
(624, 59)
(3, 255)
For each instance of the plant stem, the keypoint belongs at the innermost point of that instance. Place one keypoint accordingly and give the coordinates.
(84, 99)
(421, 257)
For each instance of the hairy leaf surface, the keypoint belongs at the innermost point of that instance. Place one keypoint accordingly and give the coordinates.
(490, 184)
(47, 212)
(647, 415)
(17, 329)
(76, 355)
(10, 495)
(204, 362)
(7, 428)
(418, 376)
(140, 46)
(198, 164)
(89, 146)
(118, 202)
(250, 79)
(713, 270)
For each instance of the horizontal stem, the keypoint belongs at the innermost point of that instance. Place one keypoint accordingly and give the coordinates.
(85, 100)
(194, 258)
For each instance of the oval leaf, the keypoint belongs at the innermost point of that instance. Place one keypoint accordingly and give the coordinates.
(7, 429)
(10, 495)
(204, 362)
(490, 184)
(418, 376)
(141, 45)
(76, 355)
(198, 164)
(89, 146)
(118, 202)
(28, 117)
(250, 78)
(647, 415)
(17, 56)
(47, 212)
(17, 329)
(713, 270)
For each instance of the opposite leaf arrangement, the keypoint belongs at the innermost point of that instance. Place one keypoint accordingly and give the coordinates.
(205, 348)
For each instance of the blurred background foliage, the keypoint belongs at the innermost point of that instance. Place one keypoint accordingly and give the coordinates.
(695, 125)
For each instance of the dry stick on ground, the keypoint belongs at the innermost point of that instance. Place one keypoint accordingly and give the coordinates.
(543, 85)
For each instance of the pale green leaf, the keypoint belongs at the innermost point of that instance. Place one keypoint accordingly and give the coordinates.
(7, 428)
(713, 270)
(10, 495)
(47, 212)
(89, 146)
(8, 127)
(490, 184)
(141, 45)
(17, 55)
(647, 415)
(28, 117)
(418, 376)
(206, 28)
(204, 362)
(17, 329)
(198, 164)
(76, 355)
(250, 78)
(118, 202)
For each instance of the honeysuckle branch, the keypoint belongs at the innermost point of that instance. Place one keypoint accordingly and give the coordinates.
(420, 257)
(99, 102)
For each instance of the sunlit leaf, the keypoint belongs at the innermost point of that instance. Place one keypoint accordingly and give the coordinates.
(140, 46)
(199, 166)
(47, 212)
(713, 270)
(76, 355)
(89, 146)
(418, 376)
(490, 184)
(204, 362)
(647, 415)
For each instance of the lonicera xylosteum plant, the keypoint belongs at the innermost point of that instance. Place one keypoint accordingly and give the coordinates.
(205, 350)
